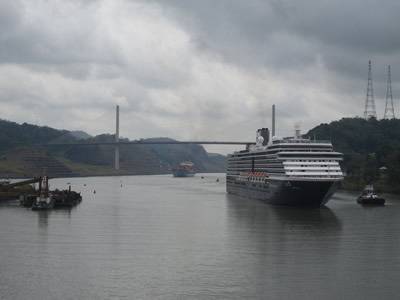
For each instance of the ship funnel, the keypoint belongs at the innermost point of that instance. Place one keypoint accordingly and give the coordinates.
(264, 132)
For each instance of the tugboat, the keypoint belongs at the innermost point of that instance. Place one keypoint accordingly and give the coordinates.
(368, 197)
(44, 201)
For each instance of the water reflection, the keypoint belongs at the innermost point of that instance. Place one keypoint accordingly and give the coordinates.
(43, 218)
(285, 246)
(250, 212)
(279, 229)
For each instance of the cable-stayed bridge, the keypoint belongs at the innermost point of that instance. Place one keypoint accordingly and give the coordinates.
(154, 143)
(117, 143)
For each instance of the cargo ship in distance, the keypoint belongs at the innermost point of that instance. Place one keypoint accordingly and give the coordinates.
(185, 169)
(285, 171)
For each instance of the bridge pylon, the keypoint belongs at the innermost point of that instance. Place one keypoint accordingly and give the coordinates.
(117, 140)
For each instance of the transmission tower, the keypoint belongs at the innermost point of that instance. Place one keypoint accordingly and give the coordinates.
(369, 110)
(389, 109)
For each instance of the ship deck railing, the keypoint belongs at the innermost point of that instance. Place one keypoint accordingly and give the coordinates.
(301, 141)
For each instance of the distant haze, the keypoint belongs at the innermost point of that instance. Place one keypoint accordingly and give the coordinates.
(194, 70)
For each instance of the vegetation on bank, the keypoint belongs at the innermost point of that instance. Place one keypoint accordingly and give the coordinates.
(371, 151)
(22, 154)
(84, 170)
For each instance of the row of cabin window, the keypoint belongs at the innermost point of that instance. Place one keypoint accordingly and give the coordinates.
(308, 170)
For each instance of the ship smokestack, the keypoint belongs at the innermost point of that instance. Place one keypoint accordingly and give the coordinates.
(273, 120)
(264, 132)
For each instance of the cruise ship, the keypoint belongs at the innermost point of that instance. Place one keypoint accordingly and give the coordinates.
(292, 171)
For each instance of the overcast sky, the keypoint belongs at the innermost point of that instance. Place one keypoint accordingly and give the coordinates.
(194, 69)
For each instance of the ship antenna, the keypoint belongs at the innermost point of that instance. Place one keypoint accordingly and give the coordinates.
(297, 126)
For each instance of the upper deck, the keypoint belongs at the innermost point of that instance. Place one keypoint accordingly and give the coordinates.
(276, 140)
(287, 144)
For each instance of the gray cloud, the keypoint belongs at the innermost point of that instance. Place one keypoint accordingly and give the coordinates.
(215, 67)
(291, 31)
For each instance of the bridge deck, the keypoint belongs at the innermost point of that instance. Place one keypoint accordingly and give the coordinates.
(151, 143)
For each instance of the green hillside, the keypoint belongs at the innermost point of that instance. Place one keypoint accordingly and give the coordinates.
(13, 135)
(371, 151)
(21, 157)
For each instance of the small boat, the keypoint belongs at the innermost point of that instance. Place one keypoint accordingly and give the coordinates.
(368, 197)
(44, 201)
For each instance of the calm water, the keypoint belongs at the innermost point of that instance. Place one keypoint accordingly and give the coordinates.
(158, 237)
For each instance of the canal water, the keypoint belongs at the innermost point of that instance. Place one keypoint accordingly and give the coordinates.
(159, 237)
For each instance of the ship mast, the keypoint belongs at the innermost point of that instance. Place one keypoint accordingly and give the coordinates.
(297, 130)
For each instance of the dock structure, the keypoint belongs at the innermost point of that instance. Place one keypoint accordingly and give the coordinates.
(10, 186)
(11, 191)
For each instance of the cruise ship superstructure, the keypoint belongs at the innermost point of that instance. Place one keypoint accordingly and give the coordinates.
(286, 171)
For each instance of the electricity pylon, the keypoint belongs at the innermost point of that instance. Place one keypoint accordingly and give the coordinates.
(369, 110)
(389, 109)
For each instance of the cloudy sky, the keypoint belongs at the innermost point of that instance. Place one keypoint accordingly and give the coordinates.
(194, 69)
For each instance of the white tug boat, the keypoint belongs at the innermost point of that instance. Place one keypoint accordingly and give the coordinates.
(368, 197)
(285, 171)
(44, 201)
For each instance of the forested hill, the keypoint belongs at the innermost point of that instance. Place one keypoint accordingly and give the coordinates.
(20, 157)
(13, 135)
(359, 135)
(369, 146)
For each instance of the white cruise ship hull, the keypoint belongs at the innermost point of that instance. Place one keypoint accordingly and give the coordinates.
(283, 192)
